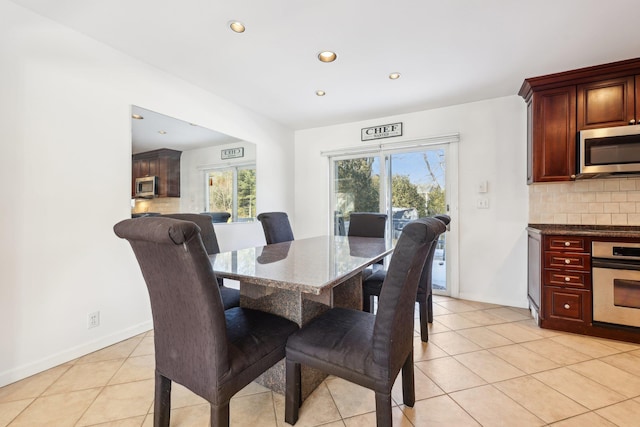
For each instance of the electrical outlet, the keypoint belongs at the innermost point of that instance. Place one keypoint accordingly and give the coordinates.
(93, 320)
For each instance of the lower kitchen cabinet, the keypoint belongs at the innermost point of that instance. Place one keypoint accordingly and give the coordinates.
(566, 286)
(534, 282)
(567, 305)
(560, 280)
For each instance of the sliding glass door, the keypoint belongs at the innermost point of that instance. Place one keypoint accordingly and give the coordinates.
(404, 183)
(417, 189)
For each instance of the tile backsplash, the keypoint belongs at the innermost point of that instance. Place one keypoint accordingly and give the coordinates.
(163, 205)
(612, 201)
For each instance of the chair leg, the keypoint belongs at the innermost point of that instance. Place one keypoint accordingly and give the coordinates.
(220, 415)
(293, 397)
(383, 410)
(430, 305)
(424, 329)
(366, 302)
(408, 382)
(162, 404)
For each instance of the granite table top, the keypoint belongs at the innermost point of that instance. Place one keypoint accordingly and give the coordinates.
(309, 265)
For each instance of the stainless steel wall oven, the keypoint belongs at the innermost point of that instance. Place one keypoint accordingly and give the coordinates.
(616, 283)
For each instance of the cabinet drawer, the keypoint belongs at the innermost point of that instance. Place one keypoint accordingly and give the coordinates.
(567, 278)
(566, 243)
(567, 261)
(568, 305)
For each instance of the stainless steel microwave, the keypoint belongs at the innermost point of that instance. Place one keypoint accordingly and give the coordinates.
(147, 187)
(609, 152)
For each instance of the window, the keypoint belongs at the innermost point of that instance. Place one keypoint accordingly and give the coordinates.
(232, 190)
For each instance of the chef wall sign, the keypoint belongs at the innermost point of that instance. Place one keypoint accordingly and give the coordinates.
(232, 153)
(381, 131)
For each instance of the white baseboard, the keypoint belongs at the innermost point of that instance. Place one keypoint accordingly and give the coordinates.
(32, 368)
(506, 302)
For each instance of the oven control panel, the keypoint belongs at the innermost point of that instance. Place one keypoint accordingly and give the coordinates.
(616, 250)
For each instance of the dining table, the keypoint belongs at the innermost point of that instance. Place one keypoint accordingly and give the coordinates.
(300, 280)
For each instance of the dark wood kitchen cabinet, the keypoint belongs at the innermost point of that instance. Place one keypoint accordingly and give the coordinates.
(559, 281)
(534, 277)
(607, 103)
(566, 282)
(163, 163)
(560, 105)
(145, 167)
(551, 143)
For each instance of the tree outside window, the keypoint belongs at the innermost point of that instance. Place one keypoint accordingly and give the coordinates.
(233, 190)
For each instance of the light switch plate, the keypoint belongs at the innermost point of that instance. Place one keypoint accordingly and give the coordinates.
(483, 203)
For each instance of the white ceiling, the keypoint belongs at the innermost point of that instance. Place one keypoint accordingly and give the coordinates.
(448, 52)
(178, 135)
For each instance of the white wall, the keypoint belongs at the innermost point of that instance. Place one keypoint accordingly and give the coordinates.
(65, 137)
(492, 242)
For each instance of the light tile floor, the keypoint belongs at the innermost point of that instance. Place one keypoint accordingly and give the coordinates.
(484, 365)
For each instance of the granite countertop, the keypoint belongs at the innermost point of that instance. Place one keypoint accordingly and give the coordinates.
(628, 231)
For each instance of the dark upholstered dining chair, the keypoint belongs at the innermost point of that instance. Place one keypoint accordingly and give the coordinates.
(276, 226)
(446, 219)
(230, 296)
(367, 224)
(207, 232)
(372, 285)
(369, 350)
(218, 217)
(212, 352)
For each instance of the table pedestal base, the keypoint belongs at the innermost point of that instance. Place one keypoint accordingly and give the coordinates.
(300, 308)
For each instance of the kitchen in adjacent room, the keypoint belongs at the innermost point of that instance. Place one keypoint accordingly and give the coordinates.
(584, 199)
(179, 166)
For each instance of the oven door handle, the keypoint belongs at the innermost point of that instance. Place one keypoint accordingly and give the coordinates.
(615, 264)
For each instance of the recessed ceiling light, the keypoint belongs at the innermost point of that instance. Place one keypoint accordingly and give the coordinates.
(327, 56)
(162, 132)
(236, 26)
(137, 116)
(321, 93)
(394, 76)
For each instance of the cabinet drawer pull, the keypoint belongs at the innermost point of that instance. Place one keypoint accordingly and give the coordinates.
(567, 261)
(567, 306)
(567, 243)
(567, 279)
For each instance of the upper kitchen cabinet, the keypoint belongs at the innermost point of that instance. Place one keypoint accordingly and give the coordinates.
(560, 105)
(163, 163)
(608, 103)
(144, 166)
(551, 145)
